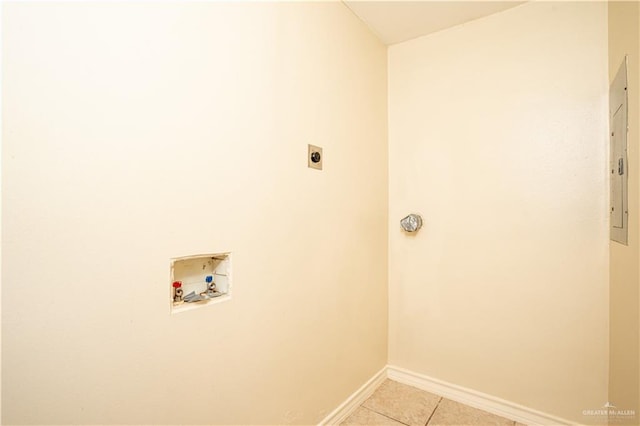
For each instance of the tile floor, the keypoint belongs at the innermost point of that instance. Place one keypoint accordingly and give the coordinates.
(396, 404)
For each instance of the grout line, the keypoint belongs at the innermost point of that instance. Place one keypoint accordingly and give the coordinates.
(384, 415)
(434, 411)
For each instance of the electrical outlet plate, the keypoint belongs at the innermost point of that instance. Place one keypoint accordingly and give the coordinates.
(315, 157)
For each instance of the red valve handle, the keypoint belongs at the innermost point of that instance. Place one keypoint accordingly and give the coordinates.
(177, 284)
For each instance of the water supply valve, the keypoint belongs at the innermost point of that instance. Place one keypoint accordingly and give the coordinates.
(177, 291)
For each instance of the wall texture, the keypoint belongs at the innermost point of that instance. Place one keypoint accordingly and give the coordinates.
(498, 137)
(624, 38)
(134, 133)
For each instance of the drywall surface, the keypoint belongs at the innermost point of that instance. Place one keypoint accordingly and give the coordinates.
(624, 38)
(138, 132)
(498, 137)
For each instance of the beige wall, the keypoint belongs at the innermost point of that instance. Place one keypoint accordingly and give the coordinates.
(624, 38)
(498, 137)
(138, 132)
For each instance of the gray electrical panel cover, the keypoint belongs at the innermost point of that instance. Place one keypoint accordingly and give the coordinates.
(619, 209)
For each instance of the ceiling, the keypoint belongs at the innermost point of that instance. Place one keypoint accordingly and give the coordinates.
(397, 21)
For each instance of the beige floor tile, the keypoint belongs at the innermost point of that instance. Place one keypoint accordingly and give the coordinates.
(404, 403)
(453, 413)
(363, 416)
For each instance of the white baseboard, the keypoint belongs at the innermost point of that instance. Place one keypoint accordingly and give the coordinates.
(345, 409)
(472, 398)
